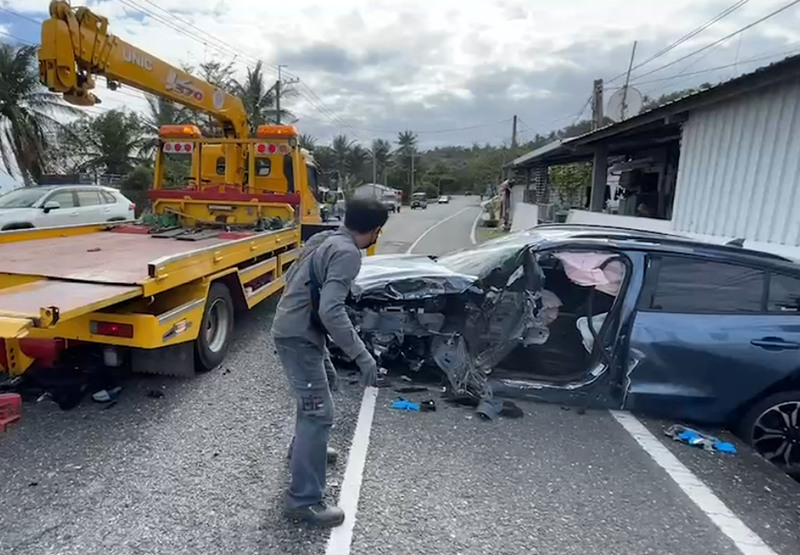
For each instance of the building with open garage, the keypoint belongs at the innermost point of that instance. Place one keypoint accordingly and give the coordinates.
(721, 164)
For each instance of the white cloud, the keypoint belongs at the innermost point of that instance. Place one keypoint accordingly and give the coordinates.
(429, 65)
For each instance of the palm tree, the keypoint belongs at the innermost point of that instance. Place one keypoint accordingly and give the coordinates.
(407, 141)
(162, 112)
(27, 113)
(382, 154)
(259, 101)
(341, 147)
(113, 142)
(357, 161)
(307, 142)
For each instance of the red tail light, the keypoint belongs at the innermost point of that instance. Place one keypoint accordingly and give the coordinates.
(132, 207)
(111, 329)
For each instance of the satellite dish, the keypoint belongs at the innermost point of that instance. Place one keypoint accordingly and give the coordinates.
(625, 103)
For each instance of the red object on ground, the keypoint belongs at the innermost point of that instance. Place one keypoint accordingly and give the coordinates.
(10, 409)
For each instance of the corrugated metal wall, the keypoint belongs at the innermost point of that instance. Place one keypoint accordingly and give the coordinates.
(739, 168)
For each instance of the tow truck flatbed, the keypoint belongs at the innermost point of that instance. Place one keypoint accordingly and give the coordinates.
(121, 286)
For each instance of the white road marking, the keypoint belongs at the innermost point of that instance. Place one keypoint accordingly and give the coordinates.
(747, 541)
(342, 536)
(473, 231)
(434, 226)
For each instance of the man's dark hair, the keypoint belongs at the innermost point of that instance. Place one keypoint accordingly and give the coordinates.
(364, 215)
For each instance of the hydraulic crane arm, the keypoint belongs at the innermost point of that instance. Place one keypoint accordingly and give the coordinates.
(76, 47)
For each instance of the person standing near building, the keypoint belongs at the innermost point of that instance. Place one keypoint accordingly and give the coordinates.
(311, 309)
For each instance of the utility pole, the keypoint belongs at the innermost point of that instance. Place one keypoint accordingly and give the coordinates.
(278, 92)
(627, 82)
(412, 171)
(374, 167)
(514, 136)
(597, 104)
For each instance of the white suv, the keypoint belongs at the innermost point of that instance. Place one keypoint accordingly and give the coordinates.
(58, 205)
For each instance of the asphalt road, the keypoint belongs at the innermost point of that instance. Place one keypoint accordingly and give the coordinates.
(202, 469)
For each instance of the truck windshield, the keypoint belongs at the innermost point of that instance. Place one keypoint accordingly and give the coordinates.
(21, 198)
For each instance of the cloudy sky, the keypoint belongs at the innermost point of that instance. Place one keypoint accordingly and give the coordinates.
(453, 71)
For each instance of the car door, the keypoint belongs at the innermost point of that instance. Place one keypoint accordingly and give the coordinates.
(708, 336)
(90, 206)
(65, 214)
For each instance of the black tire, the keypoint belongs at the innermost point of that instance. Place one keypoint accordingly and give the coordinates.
(783, 447)
(216, 329)
(14, 227)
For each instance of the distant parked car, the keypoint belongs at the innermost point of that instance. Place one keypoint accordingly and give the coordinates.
(59, 205)
(419, 200)
(444, 199)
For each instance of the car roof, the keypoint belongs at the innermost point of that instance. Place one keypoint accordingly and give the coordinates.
(554, 235)
(50, 187)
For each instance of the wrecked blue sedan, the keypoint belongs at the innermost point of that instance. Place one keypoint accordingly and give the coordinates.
(598, 316)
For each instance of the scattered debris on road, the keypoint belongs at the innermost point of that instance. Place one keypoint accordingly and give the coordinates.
(694, 438)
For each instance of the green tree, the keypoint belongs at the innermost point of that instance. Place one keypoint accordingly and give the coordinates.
(135, 186)
(357, 165)
(341, 148)
(570, 180)
(307, 142)
(382, 152)
(161, 112)
(440, 178)
(28, 113)
(406, 152)
(113, 142)
(259, 100)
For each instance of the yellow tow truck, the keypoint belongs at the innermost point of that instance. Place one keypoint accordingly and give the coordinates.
(159, 294)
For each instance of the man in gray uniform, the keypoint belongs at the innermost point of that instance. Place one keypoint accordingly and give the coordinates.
(311, 308)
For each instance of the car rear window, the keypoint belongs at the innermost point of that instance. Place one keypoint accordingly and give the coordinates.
(89, 198)
(107, 197)
(784, 293)
(700, 286)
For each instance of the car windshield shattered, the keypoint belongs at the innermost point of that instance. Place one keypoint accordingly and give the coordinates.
(498, 319)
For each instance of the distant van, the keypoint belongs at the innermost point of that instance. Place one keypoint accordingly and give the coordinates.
(419, 200)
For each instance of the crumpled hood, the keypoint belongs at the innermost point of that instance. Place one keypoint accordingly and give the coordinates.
(407, 277)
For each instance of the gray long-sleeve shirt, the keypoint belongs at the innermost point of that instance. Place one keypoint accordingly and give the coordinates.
(336, 261)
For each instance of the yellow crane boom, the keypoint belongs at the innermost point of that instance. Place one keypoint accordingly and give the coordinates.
(76, 47)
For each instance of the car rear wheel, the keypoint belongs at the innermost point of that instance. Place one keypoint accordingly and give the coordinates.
(216, 328)
(772, 427)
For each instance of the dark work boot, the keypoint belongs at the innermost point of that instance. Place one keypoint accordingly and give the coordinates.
(333, 454)
(317, 515)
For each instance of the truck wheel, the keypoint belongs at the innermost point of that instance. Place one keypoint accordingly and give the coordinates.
(216, 328)
(772, 427)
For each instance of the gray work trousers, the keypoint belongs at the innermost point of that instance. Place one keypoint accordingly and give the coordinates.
(307, 367)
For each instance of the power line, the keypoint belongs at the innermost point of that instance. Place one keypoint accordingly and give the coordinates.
(723, 39)
(716, 68)
(19, 39)
(691, 34)
(21, 16)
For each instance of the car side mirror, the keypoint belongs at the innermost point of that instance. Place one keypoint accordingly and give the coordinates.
(51, 205)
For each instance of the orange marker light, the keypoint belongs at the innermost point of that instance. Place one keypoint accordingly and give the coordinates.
(276, 131)
(179, 132)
